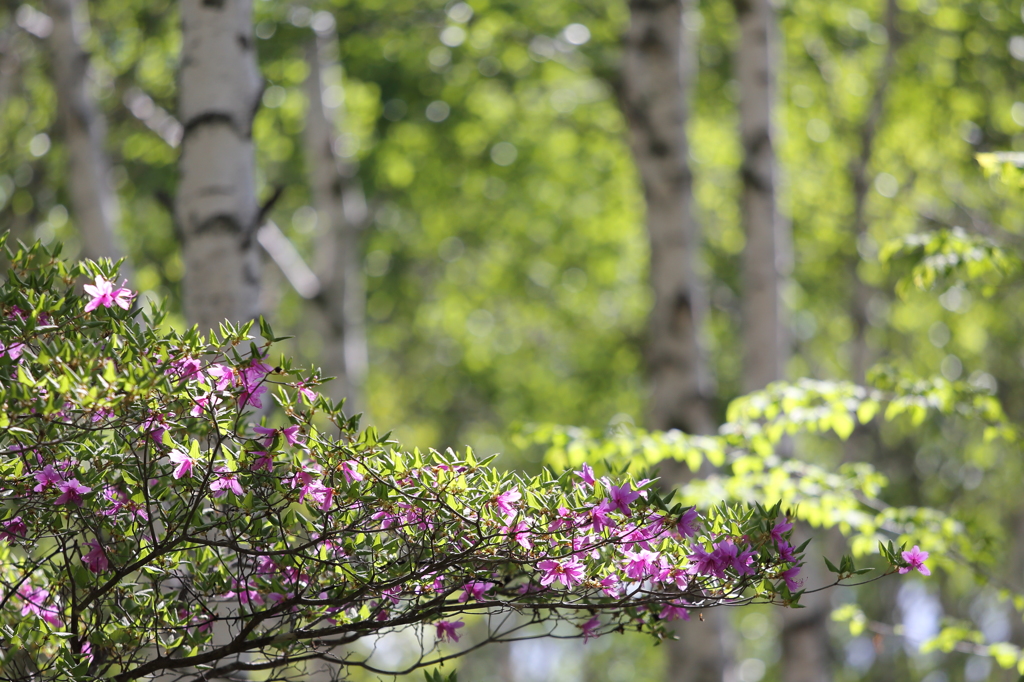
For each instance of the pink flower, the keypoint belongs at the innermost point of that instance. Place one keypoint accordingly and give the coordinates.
(47, 477)
(310, 394)
(915, 558)
(13, 351)
(348, 470)
(599, 516)
(184, 462)
(612, 586)
(262, 463)
(587, 474)
(225, 483)
(569, 572)
(687, 525)
(13, 530)
(622, 496)
(706, 563)
(674, 612)
(520, 534)
(640, 565)
(292, 435)
(474, 590)
(224, 375)
(96, 560)
(35, 599)
(104, 294)
(203, 403)
(155, 425)
(446, 630)
(318, 492)
(71, 492)
(789, 576)
(505, 501)
(780, 528)
(590, 627)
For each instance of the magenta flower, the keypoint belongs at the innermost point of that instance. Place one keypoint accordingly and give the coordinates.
(47, 477)
(569, 572)
(447, 630)
(779, 529)
(520, 534)
(225, 376)
(319, 493)
(599, 516)
(203, 403)
(104, 294)
(590, 628)
(640, 565)
(612, 586)
(225, 483)
(309, 393)
(35, 599)
(184, 462)
(706, 563)
(13, 351)
(687, 525)
(13, 529)
(505, 501)
(474, 590)
(789, 576)
(262, 463)
(96, 560)
(622, 496)
(586, 472)
(915, 558)
(348, 470)
(71, 492)
(674, 612)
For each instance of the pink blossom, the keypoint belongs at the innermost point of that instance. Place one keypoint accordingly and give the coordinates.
(184, 462)
(612, 586)
(348, 470)
(563, 521)
(520, 534)
(71, 492)
(96, 560)
(505, 501)
(13, 351)
(262, 463)
(186, 368)
(155, 425)
(640, 565)
(586, 472)
(915, 558)
(35, 599)
(204, 403)
(786, 552)
(13, 529)
(590, 627)
(224, 483)
(47, 477)
(474, 590)
(789, 576)
(569, 572)
(706, 563)
(687, 525)
(319, 493)
(599, 516)
(310, 394)
(446, 630)
(104, 294)
(779, 529)
(674, 612)
(225, 376)
(622, 496)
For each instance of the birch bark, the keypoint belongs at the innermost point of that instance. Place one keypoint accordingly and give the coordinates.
(658, 69)
(766, 256)
(216, 208)
(94, 204)
(340, 209)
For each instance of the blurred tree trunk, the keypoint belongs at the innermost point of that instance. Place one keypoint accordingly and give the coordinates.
(766, 258)
(658, 69)
(341, 210)
(216, 208)
(94, 203)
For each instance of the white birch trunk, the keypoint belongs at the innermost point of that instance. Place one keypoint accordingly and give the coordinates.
(94, 204)
(216, 208)
(653, 93)
(658, 69)
(766, 256)
(341, 310)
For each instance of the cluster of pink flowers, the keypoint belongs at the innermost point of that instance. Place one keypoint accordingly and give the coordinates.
(104, 294)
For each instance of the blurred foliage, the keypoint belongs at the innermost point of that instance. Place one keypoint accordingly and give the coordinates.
(506, 255)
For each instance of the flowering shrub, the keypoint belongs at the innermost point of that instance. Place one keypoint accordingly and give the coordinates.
(154, 519)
